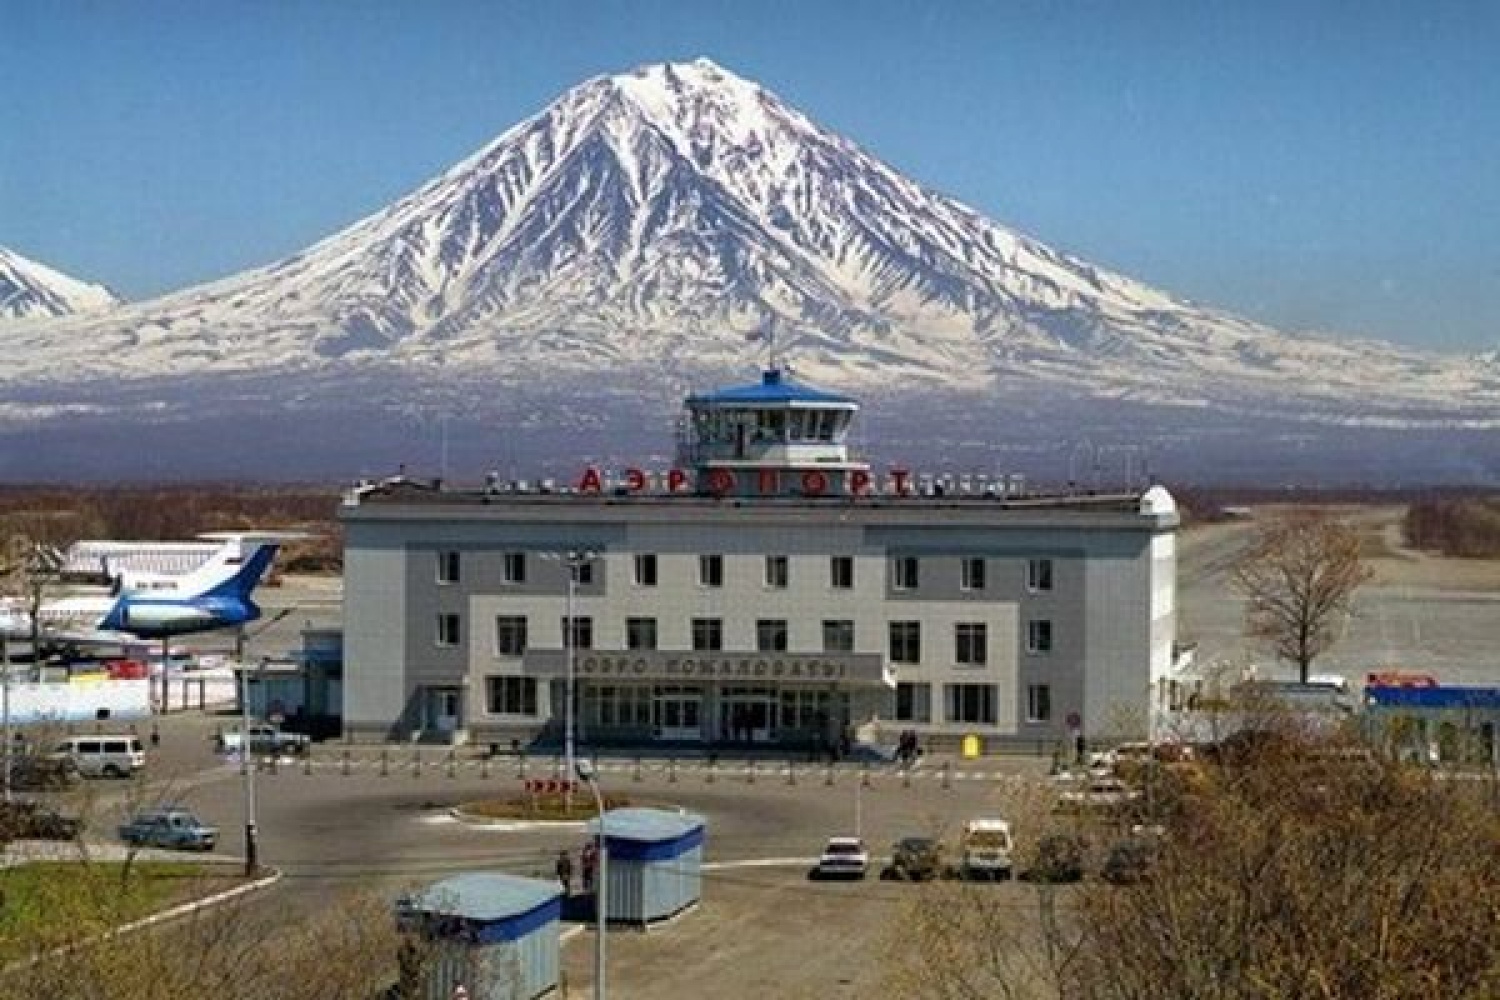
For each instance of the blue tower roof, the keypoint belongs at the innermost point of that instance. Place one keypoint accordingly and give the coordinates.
(773, 387)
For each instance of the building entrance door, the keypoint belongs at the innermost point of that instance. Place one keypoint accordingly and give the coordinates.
(679, 715)
(746, 715)
(442, 709)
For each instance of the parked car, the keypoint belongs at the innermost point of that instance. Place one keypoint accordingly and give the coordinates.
(170, 827)
(915, 859)
(842, 857)
(21, 819)
(43, 772)
(105, 756)
(987, 847)
(1131, 857)
(264, 739)
(1098, 795)
(1060, 857)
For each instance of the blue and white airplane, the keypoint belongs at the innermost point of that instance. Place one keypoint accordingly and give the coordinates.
(216, 595)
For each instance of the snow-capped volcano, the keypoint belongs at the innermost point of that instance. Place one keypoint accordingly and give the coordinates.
(654, 220)
(29, 290)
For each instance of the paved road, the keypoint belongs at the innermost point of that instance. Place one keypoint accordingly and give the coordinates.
(330, 831)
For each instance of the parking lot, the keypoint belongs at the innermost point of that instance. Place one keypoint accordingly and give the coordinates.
(348, 821)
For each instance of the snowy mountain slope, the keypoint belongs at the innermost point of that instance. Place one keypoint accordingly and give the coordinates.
(29, 290)
(667, 213)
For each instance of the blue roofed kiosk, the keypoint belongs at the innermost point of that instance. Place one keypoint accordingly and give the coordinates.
(655, 863)
(495, 934)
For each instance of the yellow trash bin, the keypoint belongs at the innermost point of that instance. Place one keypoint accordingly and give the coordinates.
(972, 747)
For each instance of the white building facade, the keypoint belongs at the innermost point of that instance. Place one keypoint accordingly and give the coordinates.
(770, 590)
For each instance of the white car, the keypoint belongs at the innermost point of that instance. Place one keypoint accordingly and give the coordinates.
(843, 857)
(1099, 795)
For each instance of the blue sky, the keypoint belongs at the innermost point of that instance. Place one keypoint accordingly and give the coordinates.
(1327, 165)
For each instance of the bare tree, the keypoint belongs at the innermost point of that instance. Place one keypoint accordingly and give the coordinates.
(1298, 576)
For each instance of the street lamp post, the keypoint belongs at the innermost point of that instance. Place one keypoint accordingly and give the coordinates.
(573, 560)
(5, 760)
(601, 880)
(247, 763)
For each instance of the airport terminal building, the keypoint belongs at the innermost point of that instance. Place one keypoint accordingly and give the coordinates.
(769, 588)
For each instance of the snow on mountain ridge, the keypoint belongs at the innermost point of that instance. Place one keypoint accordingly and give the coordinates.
(31, 290)
(665, 213)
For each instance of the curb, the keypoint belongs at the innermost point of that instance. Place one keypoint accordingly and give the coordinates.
(181, 910)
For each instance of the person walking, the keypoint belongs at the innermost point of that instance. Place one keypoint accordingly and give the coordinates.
(589, 862)
(564, 870)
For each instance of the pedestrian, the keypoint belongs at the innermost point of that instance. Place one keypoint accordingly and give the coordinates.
(565, 871)
(155, 736)
(589, 862)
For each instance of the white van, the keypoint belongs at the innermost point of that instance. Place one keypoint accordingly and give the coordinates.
(105, 756)
(987, 848)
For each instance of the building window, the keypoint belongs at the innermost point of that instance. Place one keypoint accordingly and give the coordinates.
(447, 630)
(971, 703)
(583, 572)
(1039, 703)
(770, 635)
(971, 574)
(711, 571)
(913, 702)
(645, 569)
(627, 706)
(510, 695)
(1039, 636)
(708, 634)
(841, 572)
(777, 572)
(447, 567)
(1038, 574)
(514, 568)
(583, 631)
(510, 635)
(640, 633)
(970, 644)
(904, 573)
(906, 642)
(838, 636)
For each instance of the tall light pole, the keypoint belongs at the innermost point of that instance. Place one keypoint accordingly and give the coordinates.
(601, 881)
(5, 712)
(573, 560)
(247, 763)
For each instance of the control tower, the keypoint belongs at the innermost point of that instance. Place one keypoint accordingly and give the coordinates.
(773, 438)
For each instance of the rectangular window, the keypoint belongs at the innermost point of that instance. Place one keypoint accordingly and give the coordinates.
(447, 567)
(1038, 703)
(510, 695)
(510, 635)
(904, 573)
(708, 634)
(971, 574)
(906, 642)
(1038, 574)
(841, 572)
(970, 644)
(583, 572)
(514, 568)
(711, 571)
(640, 633)
(447, 629)
(838, 636)
(971, 703)
(913, 702)
(1039, 636)
(770, 635)
(583, 631)
(777, 572)
(645, 569)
